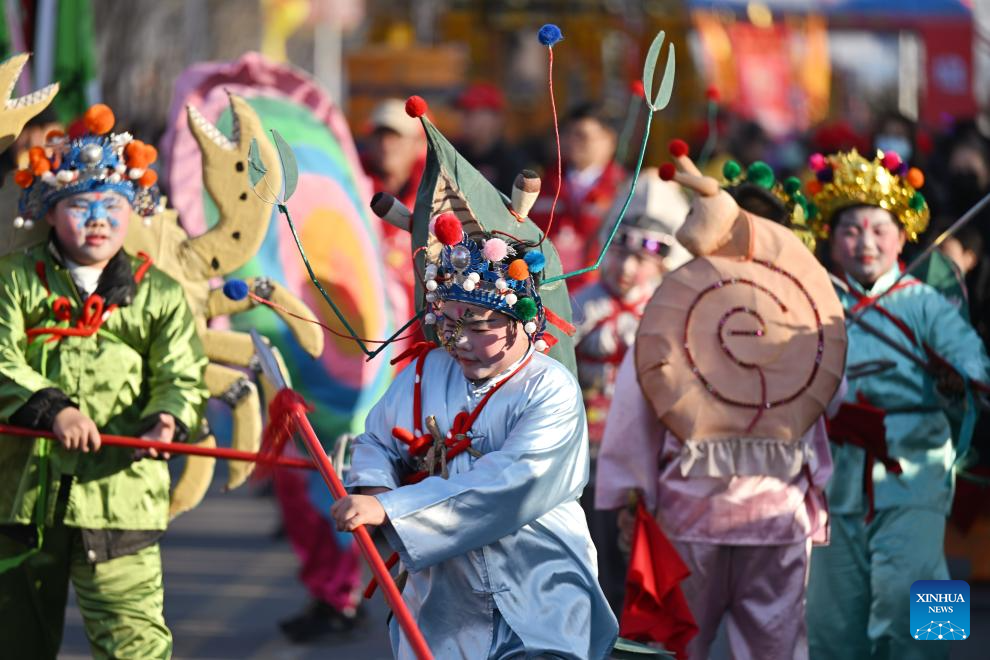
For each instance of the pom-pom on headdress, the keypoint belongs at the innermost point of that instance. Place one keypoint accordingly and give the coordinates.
(488, 272)
(757, 189)
(97, 161)
(847, 179)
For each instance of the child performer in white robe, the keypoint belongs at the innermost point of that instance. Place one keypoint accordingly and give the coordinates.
(489, 526)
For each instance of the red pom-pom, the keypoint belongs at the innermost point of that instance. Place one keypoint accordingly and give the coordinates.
(892, 161)
(448, 229)
(678, 148)
(636, 87)
(816, 162)
(711, 93)
(23, 178)
(813, 187)
(667, 171)
(416, 107)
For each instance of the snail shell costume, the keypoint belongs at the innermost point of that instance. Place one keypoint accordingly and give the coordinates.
(741, 349)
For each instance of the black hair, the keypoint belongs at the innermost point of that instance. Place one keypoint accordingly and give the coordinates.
(593, 111)
(760, 201)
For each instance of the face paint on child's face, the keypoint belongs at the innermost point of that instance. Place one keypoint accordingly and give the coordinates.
(866, 243)
(91, 226)
(482, 341)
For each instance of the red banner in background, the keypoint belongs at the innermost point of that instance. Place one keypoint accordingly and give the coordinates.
(948, 90)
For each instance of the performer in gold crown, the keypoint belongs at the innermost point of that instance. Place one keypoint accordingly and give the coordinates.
(894, 442)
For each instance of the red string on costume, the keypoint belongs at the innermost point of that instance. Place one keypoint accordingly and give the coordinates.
(89, 323)
(864, 301)
(456, 441)
(93, 314)
(274, 305)
(556, 133)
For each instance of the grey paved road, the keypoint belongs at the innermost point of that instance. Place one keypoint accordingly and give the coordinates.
(228, 581)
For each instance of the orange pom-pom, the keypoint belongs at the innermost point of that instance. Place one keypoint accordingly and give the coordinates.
(39, 167)
(139, 155)
(23, 178)
(518, 270)
(148, 179)
(54, 135)
(814, 187)
(915, 177)
(99, 119)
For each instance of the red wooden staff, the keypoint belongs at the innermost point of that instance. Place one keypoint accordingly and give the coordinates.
(286, 415)
(174, 448)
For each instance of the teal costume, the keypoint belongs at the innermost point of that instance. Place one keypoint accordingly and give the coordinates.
(859, 589)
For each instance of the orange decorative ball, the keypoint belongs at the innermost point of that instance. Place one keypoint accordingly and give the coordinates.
(148, 179)
(99, 119)
(23, 178)
(915, 178)
(814, 186)
(518, 270)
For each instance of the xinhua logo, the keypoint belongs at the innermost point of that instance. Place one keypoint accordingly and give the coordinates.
(940, 610)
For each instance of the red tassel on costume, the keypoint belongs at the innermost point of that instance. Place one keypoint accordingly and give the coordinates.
(414, 351)
(564, 326)
(655, 609)
(280, 427)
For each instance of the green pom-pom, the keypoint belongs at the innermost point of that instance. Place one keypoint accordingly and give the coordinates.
(760, 174)
(917, 201)
(731, 170)
(792, 184)
(525, 309)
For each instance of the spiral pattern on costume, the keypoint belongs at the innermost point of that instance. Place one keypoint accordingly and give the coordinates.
(760, 331)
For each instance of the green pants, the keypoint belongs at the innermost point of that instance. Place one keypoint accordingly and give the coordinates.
(859, 588)
(121, 600)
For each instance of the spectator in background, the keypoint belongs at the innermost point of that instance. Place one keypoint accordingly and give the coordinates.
(394, 156)
(966, 249)
(895, 132)
(591, 180)
(394, 152)
(482, 140)
(748, 143)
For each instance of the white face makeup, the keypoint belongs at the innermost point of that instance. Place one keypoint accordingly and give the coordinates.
(482, 341)
(866, 243)
(91, 226)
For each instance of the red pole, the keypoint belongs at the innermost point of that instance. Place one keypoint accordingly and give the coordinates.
(384, 578)
(173, 447)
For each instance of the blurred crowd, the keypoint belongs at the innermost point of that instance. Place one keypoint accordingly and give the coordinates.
(955, 159)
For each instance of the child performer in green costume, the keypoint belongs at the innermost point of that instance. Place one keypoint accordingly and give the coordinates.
(92, 340)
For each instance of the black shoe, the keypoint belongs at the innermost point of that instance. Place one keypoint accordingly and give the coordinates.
(319, 619)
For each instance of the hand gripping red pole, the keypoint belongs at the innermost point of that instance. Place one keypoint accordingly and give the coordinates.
(289, 403)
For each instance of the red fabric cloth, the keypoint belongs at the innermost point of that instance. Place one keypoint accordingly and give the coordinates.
(655, 609)
(862, 425)
(577, 221)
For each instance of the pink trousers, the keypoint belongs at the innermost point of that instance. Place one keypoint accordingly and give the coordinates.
(329, 572)
(760, 590)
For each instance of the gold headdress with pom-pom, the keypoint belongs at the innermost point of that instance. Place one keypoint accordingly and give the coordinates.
(848, 179)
